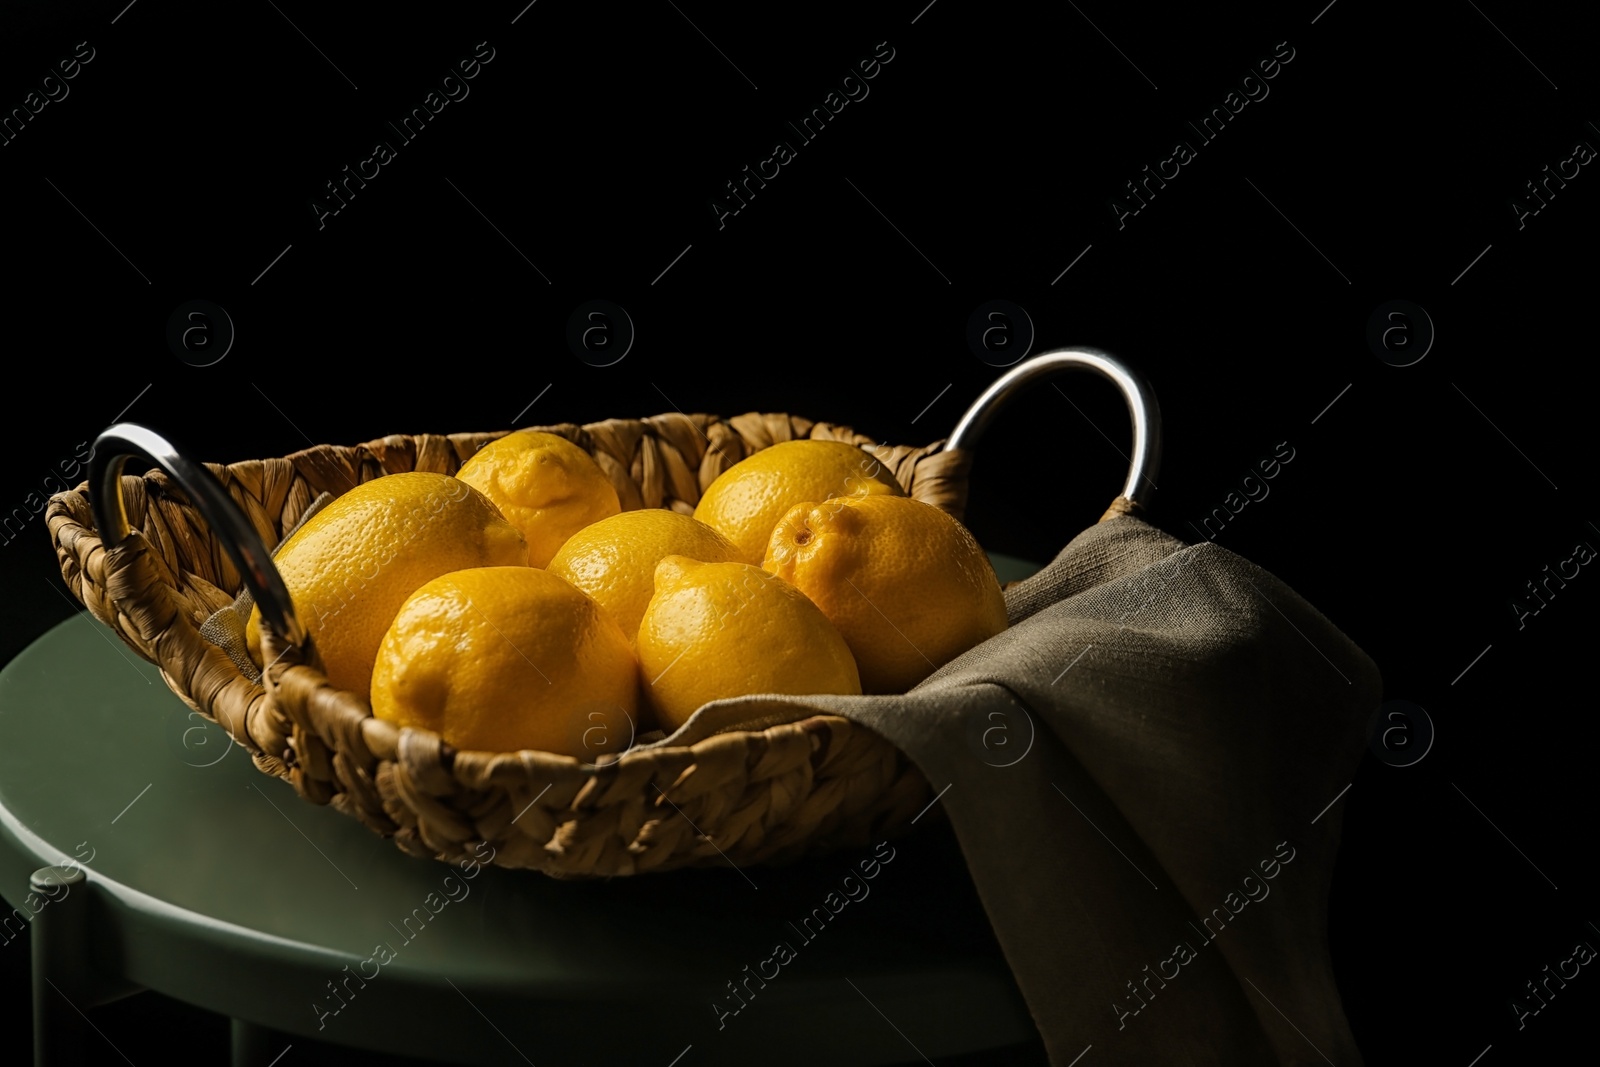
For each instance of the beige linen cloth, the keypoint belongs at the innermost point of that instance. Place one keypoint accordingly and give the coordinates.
(1142, 774)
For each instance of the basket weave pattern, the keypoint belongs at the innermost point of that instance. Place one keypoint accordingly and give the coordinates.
(740, 797)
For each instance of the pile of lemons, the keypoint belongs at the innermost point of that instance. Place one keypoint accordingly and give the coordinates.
(517, 606)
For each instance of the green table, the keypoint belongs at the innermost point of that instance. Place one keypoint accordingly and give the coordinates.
(208, 881)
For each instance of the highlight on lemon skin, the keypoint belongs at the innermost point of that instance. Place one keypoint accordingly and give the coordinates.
(544, 485)
(614, 560)
(353, 564)
(716, 630)
(907, 585)
(749, 498)
(500, 659)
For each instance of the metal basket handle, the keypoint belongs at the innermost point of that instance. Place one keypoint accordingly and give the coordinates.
(120, 443)
(1143, 410)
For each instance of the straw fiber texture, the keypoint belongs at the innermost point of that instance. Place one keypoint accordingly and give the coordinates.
(767, 794)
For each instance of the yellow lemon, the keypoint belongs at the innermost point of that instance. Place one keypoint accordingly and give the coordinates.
(614, 560)
(747, 500)
(499, 659)
(545, 485)
(906, 584)
(717, 630)
(352, 565)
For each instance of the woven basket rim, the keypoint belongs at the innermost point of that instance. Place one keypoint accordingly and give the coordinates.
(765, 794)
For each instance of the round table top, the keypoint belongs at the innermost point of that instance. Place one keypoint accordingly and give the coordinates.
(215, 884)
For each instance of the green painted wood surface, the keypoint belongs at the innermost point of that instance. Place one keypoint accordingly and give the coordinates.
(216, 884)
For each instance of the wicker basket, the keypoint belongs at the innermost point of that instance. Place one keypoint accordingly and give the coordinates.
(196, 536)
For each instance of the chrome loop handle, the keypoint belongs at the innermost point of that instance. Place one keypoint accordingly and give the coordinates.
(120, 443)
(1143, 410)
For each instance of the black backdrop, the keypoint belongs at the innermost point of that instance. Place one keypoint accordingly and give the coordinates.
(1387, 158)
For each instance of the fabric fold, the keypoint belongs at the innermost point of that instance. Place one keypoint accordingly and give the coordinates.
(1139, 774)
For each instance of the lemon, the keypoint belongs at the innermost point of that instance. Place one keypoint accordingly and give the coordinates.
(906, 584)
(614, 560)
(717, 630)
(499, 659)
(747, 500)
(545, 485)
(352, 565)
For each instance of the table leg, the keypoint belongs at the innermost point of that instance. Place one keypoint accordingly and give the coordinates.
(257, 1046)
(59, 936)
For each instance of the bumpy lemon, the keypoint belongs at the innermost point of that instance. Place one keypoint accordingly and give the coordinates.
(614, 560)
(906, 584)
(717, 630)
(545, 485)
(747, 500)
(500, 659)
(352, 565)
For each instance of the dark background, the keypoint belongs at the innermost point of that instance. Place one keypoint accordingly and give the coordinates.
(1383, 163)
